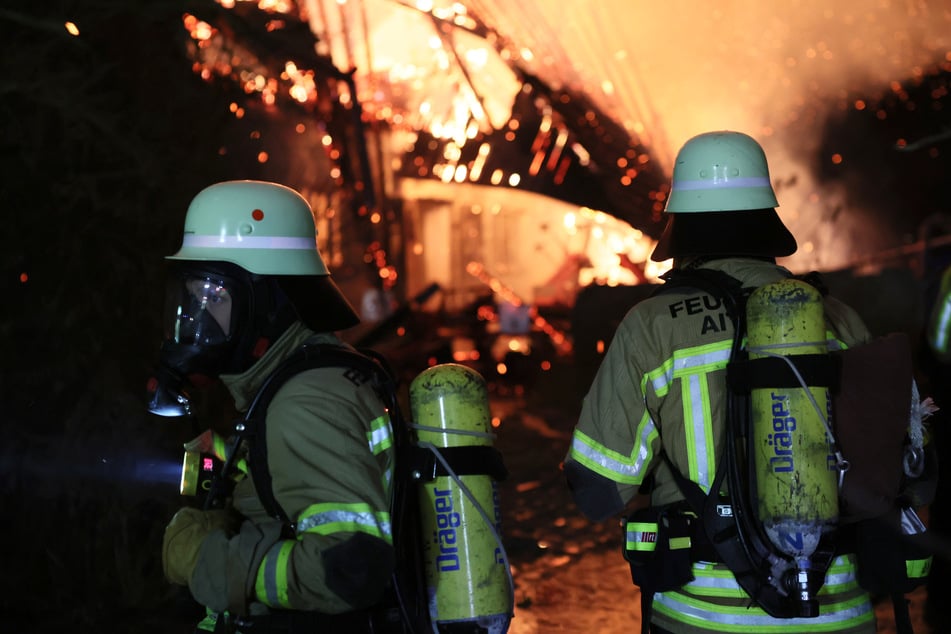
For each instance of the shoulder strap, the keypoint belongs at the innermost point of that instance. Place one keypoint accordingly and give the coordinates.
(731, 525)
(717, 283)
(309, 357)
(407, 588)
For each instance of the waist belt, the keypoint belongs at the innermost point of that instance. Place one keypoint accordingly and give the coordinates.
(701, 549)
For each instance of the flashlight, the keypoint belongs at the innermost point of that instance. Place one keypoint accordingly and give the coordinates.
(198, 471)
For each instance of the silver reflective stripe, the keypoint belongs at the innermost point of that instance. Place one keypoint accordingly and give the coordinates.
(692, 369)
(342, 520)
(696, 407)
(715, 581)
(691, 611)
(379, 437)
(274, 574)
(610, 463)
(716, 358)
(721, 183)
(249, 242)
(725, 584)
(684, 364)
(379, 440)
(270, 575)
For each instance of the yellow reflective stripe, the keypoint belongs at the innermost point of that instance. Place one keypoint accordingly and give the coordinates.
(379, 437)
(612, 464)
(841, 575)
(695, 393)
(918, 568)
(328, 518)
(270, 584)
(208, 623)
(691, 366)
(220, 450)
(702, 359)
(679, 543)
(641, 536)
(660, 378)
(715, 595)
(716, 580)
(380, 440)
(683, 608)
(834, 343)
(219, 447)
(688, 362)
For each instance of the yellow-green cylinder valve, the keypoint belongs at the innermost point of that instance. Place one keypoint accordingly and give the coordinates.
(467, 574)
(795, 465)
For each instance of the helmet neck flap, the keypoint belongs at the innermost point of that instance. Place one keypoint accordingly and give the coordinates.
(722, 203)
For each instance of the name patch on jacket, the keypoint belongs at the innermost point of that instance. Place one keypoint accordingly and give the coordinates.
(714, 318)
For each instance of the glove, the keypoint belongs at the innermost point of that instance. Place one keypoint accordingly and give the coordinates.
(184, 535)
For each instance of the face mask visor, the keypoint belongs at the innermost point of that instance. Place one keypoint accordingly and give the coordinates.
(199, 310)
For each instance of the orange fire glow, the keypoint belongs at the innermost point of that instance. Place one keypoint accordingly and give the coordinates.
(447, 68)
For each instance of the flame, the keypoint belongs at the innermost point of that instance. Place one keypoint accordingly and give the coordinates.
(436, 65)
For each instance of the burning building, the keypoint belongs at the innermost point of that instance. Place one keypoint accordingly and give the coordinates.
(535, 143)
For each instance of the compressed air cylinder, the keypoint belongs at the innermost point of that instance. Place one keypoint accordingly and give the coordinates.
(795, 466)
(467, 573)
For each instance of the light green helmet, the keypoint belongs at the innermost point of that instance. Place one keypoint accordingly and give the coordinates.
(264, 228)
(721, 202)
(721, 171)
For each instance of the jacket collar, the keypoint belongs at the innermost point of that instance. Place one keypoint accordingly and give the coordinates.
(243, 387)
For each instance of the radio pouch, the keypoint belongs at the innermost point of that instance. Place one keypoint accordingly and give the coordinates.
(657, 548)
(893, 552)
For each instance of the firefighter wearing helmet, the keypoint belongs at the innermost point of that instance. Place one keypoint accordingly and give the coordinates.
(248, 289)
(656, 413)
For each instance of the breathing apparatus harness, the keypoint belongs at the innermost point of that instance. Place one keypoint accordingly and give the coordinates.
(889, 472)
(404, 609)
(729, 525)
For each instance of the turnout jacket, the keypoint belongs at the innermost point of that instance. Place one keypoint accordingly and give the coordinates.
(662, 383)
(330, 455)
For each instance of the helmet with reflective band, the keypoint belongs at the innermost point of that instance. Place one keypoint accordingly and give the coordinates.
(247, 269)
(721, 201)
(264, 228)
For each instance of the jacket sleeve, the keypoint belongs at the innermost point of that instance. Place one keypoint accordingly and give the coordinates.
(328, 455)
(846, 323)
(329, 469)
(614, 443)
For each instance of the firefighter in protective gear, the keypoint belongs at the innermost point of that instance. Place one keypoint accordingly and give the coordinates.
(662, 386)
(246, 290)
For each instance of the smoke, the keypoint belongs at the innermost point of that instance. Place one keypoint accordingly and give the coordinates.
(670, 70)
